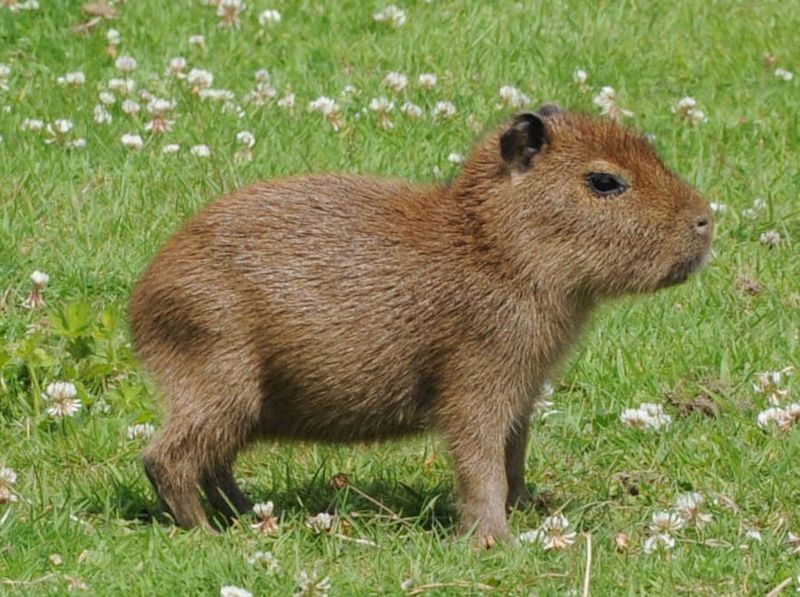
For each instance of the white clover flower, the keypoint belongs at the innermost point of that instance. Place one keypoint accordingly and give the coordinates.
(606, 100)
(131, 141)
(769, 382)
(200, 151)
(309, 584)
(653, 542)
(759, 205)
(131, 107)
(324, 105)
(160, 106)
(633, 417)
(112, 37)
(176, 66)
(58, 132)
(689, 507)
(269, 17)
(754, 535)
(40, 279)
(427, 80)
(553, 535)
(160, 109)
(320, 523)
(74, 79)
(770, 238)
(7, 478)
(697, 116)
(217, 95)
(444, 110)
(455, 158)
(266, 523)
(773, 414)
(513, 98)
(718, 207)
(329, 109)
(262, 93)
(622, 542)
(287, 101)
(237, 109)
(197, 40)
(531, 536)
(687, 108)
(107, 98)
(35, 298)
(580, 76)
(101, 115)
(5, 73)
(171, 149)
(784, 74)
(15, 6)
(686, 103)
(392, 15)
(78, 143)
(411, 109)
(61, 397)
(122, 86)
(232, 591)
(125, 63)
(262, 75)
(647, 416)
(32, 124)
(62, 126)
(666, 522)
(784, 418)
(263, 509)
(382, 106)
(199, 79)
(792, 541)
(140, 431)
(229, 12)
(396, 81)
(266, 560)
(349, 91)
(246, 138)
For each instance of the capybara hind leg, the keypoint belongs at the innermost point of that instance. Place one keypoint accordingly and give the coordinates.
(224, 494)
(175, 482)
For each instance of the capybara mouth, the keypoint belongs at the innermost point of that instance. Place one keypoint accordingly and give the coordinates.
(681, 271)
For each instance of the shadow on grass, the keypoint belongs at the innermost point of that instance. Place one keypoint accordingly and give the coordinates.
(424, 502)
(426, 507)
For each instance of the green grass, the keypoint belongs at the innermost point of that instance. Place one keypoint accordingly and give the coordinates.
(92, 218)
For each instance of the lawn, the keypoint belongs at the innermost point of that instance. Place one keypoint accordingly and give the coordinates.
(96, 173)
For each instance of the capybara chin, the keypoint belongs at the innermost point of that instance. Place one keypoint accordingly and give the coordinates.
(349, 308)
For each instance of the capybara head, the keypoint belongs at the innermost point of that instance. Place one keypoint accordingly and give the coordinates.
(587, 204)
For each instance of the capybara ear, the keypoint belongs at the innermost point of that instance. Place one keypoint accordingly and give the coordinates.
(523, 140)
(548, 110)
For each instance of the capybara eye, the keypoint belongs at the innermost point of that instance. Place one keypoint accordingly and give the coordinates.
(605, 184)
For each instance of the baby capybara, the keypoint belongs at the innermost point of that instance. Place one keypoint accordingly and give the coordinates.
(351, 308)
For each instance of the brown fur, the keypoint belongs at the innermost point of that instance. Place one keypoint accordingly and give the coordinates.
(349, 308)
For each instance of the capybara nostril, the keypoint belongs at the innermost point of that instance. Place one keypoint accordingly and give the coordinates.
(702, 225)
